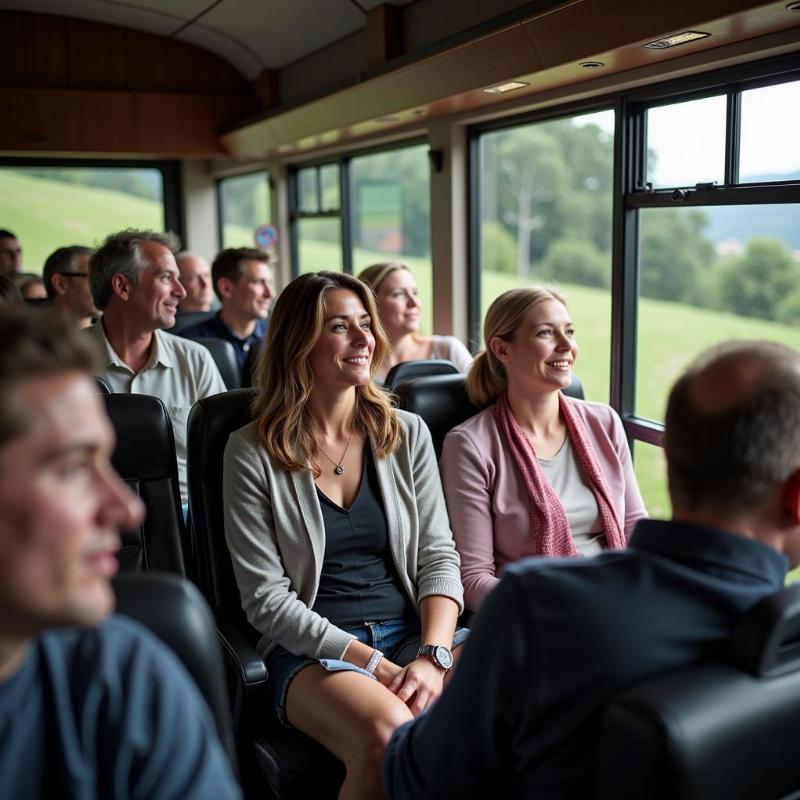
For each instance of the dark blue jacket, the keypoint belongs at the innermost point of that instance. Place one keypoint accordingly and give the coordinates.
(107, 712)
(551, 645)
(215, 328)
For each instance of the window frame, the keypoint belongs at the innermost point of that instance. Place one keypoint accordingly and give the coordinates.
(630, 195)
(170, 169)
(346, 212)
(218, 196)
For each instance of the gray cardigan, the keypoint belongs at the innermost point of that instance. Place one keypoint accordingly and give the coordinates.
(276, 537)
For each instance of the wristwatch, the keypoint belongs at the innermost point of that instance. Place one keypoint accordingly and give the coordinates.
(439, 654)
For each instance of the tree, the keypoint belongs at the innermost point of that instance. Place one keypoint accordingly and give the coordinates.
(675, 258)
(576, 261)
(758, 282)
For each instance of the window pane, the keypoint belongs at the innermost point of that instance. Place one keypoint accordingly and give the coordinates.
(48, 207)
(707, 275)
(391, 216)
(307, 190)
(545, 210)
(329, 178)
(651, 475)
(244, 205)
(319, 244)
(686, 142)
(770, 134)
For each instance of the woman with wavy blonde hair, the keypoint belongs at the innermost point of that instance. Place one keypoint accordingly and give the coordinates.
(399, 308)
(537, 472)
(337, 527)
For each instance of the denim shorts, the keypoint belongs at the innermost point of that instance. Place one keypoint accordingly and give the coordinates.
(398, 640)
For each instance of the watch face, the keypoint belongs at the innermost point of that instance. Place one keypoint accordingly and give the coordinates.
(444, 657)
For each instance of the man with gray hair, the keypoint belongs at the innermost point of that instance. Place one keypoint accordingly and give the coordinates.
(66, 281)
(558, 638)
(134, 282)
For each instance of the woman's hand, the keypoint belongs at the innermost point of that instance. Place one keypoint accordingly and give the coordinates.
(418, 684)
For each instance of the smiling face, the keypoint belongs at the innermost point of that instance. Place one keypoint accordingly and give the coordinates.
(250, 296)
(398, 303)
(342, 355)
(154, 299)
(541, 355)
(61, 506)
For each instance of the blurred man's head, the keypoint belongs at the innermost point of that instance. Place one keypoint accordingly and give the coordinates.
(61, 503)
(133, 278)
(243, 282)
(732, 442)
(66, 280)
(10, 253)
(196, 279)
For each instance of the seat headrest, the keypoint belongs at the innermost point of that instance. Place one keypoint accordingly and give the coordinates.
(145, 443)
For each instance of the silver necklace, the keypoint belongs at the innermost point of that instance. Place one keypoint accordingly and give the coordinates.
(337, 465)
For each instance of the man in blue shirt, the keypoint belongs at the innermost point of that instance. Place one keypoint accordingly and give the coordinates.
(91, 705)
(242, 279)
(558, 638)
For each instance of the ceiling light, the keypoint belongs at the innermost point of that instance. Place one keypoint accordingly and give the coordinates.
(387, 118)
(675, 39)
(592, 64)
(502, 88)
(793, 6)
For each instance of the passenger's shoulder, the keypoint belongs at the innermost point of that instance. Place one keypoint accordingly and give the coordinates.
(478, 425)
(183, 346)
(594, 412)
(244, 438)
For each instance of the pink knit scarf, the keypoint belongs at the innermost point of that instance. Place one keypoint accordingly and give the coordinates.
(549, 525)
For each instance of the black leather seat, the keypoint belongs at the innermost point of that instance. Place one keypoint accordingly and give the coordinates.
(185, 319)
(145, 458)
(225, 358)
(406, 370)
(441, 400)
(175, 611)
(724, 729)
(289, 763)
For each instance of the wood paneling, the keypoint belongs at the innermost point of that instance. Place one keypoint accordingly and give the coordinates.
(156, 64)
(34, 50)
(186, 124)
(96, 56)
(384, 34)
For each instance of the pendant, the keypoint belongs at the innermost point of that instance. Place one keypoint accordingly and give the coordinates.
(339, 469)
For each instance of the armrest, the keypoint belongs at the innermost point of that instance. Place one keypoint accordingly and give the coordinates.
(240, 655)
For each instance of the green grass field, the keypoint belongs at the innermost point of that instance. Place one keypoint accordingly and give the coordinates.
(46, 214)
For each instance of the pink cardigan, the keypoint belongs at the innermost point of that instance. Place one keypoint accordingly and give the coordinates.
(488, 503)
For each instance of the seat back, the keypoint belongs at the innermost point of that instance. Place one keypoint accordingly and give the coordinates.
(723, 729)
(144, 456)
(406, 370)
(185, 319)
(442, 402)
(225, 358)
(211, 421)
(173, 609)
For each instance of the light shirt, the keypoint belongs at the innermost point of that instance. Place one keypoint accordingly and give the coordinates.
(180, 372)
(564, 474)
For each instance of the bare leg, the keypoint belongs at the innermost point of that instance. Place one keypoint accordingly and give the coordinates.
(353, 717)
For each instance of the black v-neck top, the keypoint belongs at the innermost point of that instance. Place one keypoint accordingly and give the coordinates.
(359, 581)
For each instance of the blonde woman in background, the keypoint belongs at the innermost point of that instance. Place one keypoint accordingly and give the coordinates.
(535, 473)
(399, 309)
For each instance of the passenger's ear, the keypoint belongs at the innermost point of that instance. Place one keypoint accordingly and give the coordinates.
(499, 348)
(791, 497)
(120, 285)
(59, 283)
(224, 287)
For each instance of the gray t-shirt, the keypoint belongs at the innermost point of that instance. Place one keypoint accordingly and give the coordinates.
(564, 474)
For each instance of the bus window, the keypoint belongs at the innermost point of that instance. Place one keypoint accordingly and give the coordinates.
(545, 202)
(390, 194)
(48, 207)
(244, 202)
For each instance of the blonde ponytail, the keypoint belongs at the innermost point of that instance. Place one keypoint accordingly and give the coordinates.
(486, 379)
